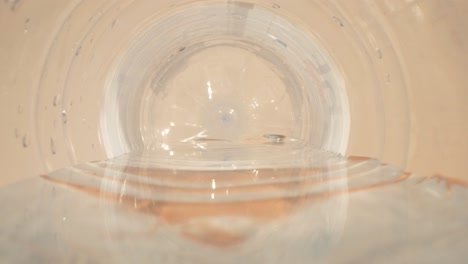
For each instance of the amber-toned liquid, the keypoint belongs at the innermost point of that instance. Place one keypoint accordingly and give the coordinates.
(282, 192)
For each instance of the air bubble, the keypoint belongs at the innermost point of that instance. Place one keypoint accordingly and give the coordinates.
(276, 6)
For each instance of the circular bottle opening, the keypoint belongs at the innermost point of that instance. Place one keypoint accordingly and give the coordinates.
(231, 72)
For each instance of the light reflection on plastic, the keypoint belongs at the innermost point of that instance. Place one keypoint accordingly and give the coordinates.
(165, 132)
(210, 90)
(213, 184)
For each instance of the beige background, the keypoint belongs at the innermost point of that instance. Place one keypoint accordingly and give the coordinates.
(432, 37)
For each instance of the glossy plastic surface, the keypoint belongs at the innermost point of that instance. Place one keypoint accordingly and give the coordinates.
(228, 131)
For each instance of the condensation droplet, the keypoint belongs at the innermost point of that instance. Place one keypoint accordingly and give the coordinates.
(324, 68)
(387, 78)
(338, 21)
(20, 109)
(276, 6)
(64, 117)
(52, 146)
(56, 100)
(379, 53)
(275, 138)
(282, 43)
(13, 4)
(78, 50)
(25, 141)
(26, 25)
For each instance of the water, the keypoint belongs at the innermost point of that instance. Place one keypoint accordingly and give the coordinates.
(266, 204)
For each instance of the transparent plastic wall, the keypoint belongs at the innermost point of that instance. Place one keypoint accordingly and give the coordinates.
(396, 76)
(301, 131)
